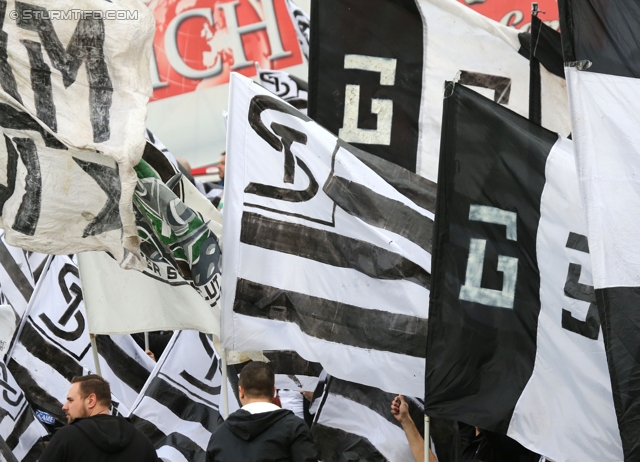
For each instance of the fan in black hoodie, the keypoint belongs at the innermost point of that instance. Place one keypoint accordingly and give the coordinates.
(261, 431)
(94, 435)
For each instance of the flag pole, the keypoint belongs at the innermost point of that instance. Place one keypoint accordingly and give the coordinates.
(427, 438)
(32, 300)
(146, 341)
(225, 388)
(94, 347)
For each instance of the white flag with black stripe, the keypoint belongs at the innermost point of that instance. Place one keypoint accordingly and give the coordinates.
(178, 409)
(16, 280)
(54, 346)
(354, 422)
(20, 433)
(601, 42)
(342, 239)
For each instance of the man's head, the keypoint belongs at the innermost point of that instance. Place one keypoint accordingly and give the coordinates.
(221, 165)
(89, 395)
(256, 383)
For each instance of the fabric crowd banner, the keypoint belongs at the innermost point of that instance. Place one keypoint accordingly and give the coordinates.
(603, 74)
(19, 430)
(54, 346)
(302, 24)
(286, 86)
(378, 86)
(515, 344)
(178, 409)
(71, 138)
(344, 242)
(16, 280)
(165, 296)
(353, 422)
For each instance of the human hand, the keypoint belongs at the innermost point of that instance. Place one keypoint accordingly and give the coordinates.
(150, 354)
(400, 409)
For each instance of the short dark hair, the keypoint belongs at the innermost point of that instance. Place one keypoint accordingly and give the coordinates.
(95, 384)
(257, 378)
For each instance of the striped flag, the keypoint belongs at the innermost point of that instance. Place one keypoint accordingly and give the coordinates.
(16, 280)
(354, 422)
(20, 433)
(515, 344)
(178, 408)
(601, 42)
(54, 346)
(343, 240)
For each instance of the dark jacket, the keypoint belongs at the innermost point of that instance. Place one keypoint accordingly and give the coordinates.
(275, 436)
(101, 438)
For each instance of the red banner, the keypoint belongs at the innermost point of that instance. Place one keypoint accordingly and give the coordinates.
(200, 42)
(516, 13)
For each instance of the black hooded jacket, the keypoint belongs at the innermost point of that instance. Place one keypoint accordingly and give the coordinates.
(101, 438)
(276, 436)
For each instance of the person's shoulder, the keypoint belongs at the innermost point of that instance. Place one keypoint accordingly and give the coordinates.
(68, 433)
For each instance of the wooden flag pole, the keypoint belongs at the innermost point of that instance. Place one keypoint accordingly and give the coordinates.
(94, 347)
(225, 388)
(427, 438)
(32, 300)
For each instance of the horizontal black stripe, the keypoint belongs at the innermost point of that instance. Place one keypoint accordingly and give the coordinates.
(35, 394)
(329, 248)
(49, 353)
(291, 363)
(127, 369)
(380, 211)
(183, 444)
(334, 444)
(180, 404)
(334, 321)
(420, 190)
(15, 273)
(373, 398)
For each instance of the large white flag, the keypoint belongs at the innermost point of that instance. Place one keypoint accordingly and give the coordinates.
(322, 255)
(75, 83)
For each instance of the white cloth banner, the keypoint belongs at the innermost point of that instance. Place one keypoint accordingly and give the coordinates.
(157, 298)
(74, 133)
(330, 260)
(178, 408)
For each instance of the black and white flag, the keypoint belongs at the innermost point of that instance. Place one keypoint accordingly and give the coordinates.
(354, 422)
(16, 280)
(286, 86)
(343, 242)
(178, 409)
(164, 296)
(515, 344)
(54, 346)
(19, 430)
(301, 22)
(73, 116)
(601, 42)
(378, 68)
